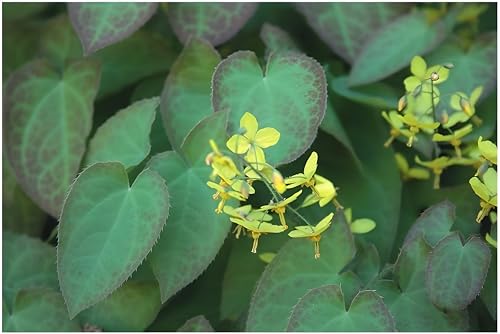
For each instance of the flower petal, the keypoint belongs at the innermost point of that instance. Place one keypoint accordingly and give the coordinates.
(362, 225)
(238, 144)
(418, 67)
(488, 150)
(311, 165)
(479, 188)
(250, 124)
(256, 155)
(267, 137)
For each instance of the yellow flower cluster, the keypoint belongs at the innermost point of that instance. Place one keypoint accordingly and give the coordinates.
(416, 117)
(234, 172)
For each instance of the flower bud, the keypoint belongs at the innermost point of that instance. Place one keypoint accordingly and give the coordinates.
(466, 107)
(434, 76)
(402, 103)
(448, 66)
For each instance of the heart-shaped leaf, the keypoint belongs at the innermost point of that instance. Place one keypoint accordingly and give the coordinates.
(196, 324)
(38, 310)
(48, 116)
(323, 310)
(294, 271)
(215, 22)
(106, 231)
(433, 224)
(290, 97)
(114, 141)
(394, 45)
(131, 308)
(185, 99)
(456, 272)
(27, 263)
(191, 238)
(407, 298)
(276, 39)
(346, 27)
(101, 24)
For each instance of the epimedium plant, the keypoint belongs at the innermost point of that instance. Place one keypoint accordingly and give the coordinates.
(138, 135)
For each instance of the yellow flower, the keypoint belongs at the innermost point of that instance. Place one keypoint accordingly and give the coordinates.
(270, 174)
(223, 166)
(253, 140)
(408, 173)
(439, 164)
(359, 226)
(245, 212)
(313, 232)
(280, 207)
(488, 150)
(306, 178)
(486, 189)
(424, 124)
(396, 126)
(224, 192)
(257, 228)
(464, 107)
(324, 191)
(454, 138)
(422, 74)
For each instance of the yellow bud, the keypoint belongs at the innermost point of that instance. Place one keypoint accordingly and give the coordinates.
(444, 117)
(466, 107)
(278, 181)
(402, 103)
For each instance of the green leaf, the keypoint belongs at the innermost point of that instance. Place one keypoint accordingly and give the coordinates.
(114, 141)
(196, 324)
(18, 41)
(20, 214)
(39, 310)
(48, 116)
(27, 263)
(215, 22)
(456, 272)
(130, 308)
(378, 95)
(471, 68)
(393, 47)
(101, 24)
(106, 231)
(18, 11)
(367, 263)
(433, 224)
(185, 99)
(347, 27)
(290, 97)
(323, 310)
(147, 54)
(407, 298)
(294, 271)
(489, 290)
(276, 39)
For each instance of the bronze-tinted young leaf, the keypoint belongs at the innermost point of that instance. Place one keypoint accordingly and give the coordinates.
(215, 22)
(101, 24)
(347, 27)
(290, 97)
(456, 272)
(185, 99)
(48, 116)
(107, 228)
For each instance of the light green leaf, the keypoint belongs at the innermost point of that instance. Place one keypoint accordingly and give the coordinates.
(294, 271)
(394, 45)
(215, 22)
(27, 263)
(407, 299)
(39, 310)
(456, 272)
(107, 228)
(323, 310)
(130, 308)
(290, 97)
(185, 99)
(378, 95)
(101, 24)
(196, 324)
(114, 140)
(347, 27)
(48, 116)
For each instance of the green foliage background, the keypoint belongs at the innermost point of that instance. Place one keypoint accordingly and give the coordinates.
(107, 219)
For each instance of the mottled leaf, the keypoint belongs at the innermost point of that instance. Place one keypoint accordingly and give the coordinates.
(323, 309)
(107, 228)
(185, 99)
(456, 272)
(215, 22)
(47, 118)
(196, 324)
(347, 27)
(290, 97)
(124, 137)
(101, 24)
(294, 271)
(27, 263)
(39, 310)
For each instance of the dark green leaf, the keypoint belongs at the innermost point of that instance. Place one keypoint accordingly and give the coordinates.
(196, 324)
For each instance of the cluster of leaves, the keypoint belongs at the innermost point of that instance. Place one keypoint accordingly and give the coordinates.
(109, 109)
